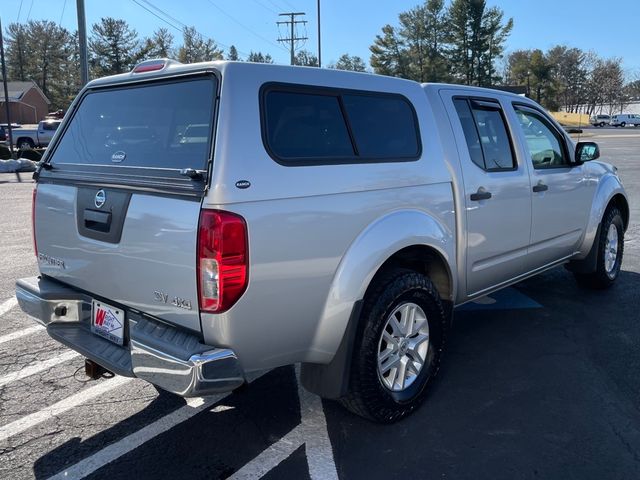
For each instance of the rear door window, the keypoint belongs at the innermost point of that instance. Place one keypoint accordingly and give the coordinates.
(165, 126)
(486, 134)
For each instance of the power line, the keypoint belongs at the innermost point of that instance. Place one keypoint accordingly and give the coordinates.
(158, 9)
(244, 26)
(265, 7)
(19, 10)
(64, 5)
(29, 14)
(289, 4)
(293, 38)
(181, 30)
(275, 5)
(157, 16)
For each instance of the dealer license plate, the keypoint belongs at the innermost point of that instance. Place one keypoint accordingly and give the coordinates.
(107, 321)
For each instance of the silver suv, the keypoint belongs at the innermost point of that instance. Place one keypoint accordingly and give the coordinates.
(322, 217)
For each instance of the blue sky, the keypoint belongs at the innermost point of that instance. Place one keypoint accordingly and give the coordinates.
(609, 28)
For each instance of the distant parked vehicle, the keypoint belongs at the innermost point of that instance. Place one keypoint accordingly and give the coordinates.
(4, 131)
(599, 120)
(625, 119)
(26, 138)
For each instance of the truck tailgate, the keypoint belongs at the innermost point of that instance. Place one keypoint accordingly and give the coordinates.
(148, 264)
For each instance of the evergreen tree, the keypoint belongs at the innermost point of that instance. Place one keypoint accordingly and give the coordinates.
(233, 54)
(114, 47)
(16, 57)
(43, 52)
(160, 45)
(388, 54)
(476, 36)
(306, 59)
(196, 49)
(347, 62)
(259, 57)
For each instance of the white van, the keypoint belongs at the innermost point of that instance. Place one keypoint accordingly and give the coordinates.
(625, 119)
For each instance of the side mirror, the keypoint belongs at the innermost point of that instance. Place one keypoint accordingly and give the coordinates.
(586, 151)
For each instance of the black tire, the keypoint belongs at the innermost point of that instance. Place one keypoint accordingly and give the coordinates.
(25, 144)
(601, 278)
(601, 124)
(623, 124)
(367, 395)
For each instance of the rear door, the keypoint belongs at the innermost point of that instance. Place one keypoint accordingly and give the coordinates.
(497, 192)
(116, 214)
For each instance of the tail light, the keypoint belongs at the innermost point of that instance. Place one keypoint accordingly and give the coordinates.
(223, 260)
(33, 220)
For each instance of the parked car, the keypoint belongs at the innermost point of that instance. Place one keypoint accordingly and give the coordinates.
(625, 119)
(4, 130)
(599, 120)
(331, 218)
(40, 136)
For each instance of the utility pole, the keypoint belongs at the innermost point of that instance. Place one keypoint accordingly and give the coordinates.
(82, 39)
(6, 91)
(6, 97)
(319, 43)
(292, 39)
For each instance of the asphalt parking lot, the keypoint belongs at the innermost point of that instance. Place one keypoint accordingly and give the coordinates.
(540, 381)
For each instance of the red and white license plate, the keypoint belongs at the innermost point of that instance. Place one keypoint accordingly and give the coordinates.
(107, 321)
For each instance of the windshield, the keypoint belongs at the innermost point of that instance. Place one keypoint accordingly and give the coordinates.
(142, 126)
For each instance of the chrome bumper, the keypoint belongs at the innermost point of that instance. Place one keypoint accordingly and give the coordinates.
(172, 359)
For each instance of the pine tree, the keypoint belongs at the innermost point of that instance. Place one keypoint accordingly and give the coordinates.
(388, 54)
(306, 59)
(259, 57)
(114, 47)
(196, 49)
(42, 51)
(476, 36)
(347, 62)
(233, 54)
(16, 56)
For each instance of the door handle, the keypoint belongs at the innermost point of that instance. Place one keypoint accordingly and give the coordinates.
(480, 195)
(540, 187)
(99, 221)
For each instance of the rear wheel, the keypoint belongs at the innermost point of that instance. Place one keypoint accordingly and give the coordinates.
(398, 347)
(610, 252)
(623, 124)
(601, 124)
(25, 144)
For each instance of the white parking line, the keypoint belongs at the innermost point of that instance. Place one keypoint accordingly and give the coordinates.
(21, 333)
(37, 367)
(8, 305)
(312, 431)
(26, 422)
(116, 450)
(125, 445)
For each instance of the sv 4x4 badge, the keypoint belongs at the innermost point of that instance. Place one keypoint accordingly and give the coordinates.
(176, 301)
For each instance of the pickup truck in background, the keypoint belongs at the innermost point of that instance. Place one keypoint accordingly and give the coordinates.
(35, 137)
(193, 223)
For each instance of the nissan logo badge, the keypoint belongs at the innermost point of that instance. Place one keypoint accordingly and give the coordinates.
(118, 156)
(100, 199)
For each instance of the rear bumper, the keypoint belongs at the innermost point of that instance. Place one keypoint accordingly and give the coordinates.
(172, 359)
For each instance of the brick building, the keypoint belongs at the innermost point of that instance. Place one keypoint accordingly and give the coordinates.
(27, 103)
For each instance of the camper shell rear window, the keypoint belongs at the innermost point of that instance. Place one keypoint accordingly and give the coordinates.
(143, 133)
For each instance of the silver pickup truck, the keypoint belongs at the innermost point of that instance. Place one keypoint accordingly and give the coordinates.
(36, 136)
(326, 218)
